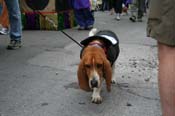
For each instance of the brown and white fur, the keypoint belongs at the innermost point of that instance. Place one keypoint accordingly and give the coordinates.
(94, 68)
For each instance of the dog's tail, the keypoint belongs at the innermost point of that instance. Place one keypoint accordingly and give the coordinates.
(93, 32)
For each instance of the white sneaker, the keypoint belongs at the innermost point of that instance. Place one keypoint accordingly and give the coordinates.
(4, 31)
(118, 17)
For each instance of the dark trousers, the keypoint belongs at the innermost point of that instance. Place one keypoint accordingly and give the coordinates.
(84, 17)
(111, 4)
(105, 5)
(141, 8)
(118, 6)
(138, 6)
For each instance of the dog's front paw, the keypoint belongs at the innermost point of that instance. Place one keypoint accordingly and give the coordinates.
(97, 99)
(113, 81)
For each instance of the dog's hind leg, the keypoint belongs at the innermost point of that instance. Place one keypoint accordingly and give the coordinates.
(113, 81)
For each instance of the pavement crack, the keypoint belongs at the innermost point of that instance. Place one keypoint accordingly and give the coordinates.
(134, 93)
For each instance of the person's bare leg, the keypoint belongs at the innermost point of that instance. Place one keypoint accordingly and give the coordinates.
(166, 78)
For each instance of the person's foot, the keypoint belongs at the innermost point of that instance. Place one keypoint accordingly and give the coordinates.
(81, 28)
(14, 44)
(112, 11)
(89, 27)
(133, 18)
(118, 17)
(139, 19)
(4, 31)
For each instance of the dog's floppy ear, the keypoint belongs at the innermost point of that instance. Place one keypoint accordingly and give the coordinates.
(107, 74)
(82, 77)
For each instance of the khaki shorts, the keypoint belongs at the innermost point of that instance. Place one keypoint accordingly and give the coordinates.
(161, 21)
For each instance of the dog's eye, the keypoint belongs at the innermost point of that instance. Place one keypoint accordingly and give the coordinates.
(99, 65)
(87, 65)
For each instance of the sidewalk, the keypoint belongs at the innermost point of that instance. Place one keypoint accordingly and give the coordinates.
(40, 78)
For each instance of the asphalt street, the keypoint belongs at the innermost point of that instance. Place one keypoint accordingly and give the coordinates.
(40, 78)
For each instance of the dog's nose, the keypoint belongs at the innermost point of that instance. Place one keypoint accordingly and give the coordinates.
(94, 83)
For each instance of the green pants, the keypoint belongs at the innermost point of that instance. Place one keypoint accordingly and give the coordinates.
(137, 8)
(161, 24)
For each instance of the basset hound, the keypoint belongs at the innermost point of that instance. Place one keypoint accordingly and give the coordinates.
(98, 56)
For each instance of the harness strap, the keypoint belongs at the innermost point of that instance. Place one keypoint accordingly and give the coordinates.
(100, 45)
